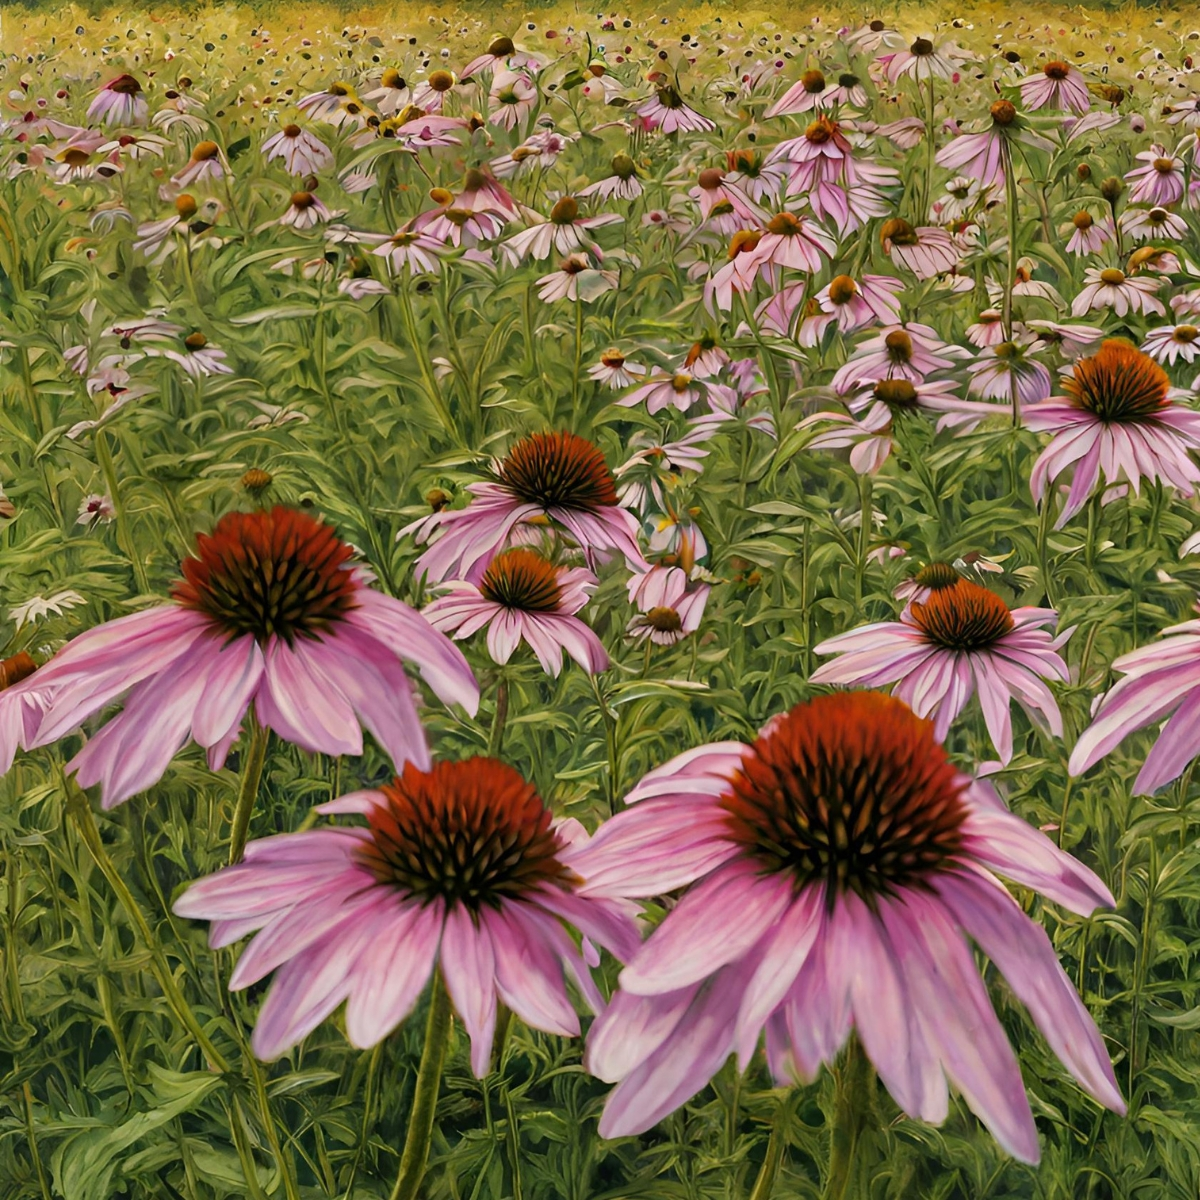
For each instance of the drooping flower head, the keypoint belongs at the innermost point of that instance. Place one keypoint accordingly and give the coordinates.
(119, 102)
(522, 597)
(837, 866)
(460, 868)
(270, 611)
(1117, 415)
(963, 639)
(559, 476)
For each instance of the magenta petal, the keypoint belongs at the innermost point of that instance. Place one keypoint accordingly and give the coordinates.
(954, 1008)
(715, 923)
(1022, 951)
(233, 677)
(529, 976)
(631, 1028)
(303, 707)
(689, 1057)
(469, 968)
(393, 971)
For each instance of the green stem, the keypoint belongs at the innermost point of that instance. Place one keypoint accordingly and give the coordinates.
(1011, 217)
(1062, 820)
(610, 740)
(252, 770)
(930, 152)
(268, 1120)
(35, 1154)
(81, 813)
(432, 390)
(852, 1119)
(578, 364)
(429, 1076)
(499, 719)
(1145, 950)
(776, 1144)
(109, 471)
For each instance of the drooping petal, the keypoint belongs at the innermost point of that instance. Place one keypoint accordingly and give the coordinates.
(469, 968)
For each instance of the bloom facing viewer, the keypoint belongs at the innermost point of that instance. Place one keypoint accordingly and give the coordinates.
(269, 612)
(837, 867)
(460, 868)
(963, 639)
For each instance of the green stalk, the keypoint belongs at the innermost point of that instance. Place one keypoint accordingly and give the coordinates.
(499, 718)
(610, 740)
(252, 770)
(81, 813)
(124, 536)
(429, 1076)
(776, 1144)
(35, 1154)
(1011, 217)
(852, 1120)
(427, 376)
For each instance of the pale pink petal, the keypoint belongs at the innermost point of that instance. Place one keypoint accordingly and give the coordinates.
(469, 969)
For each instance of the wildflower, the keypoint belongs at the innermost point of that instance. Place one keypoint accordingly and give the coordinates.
(1117, 415)
(1088, 235)
(808, 92)
(305, 211)
(119, 102)
(392, 96)
(669, 610)
(667, 112)
(837, 866)
(460, 869)
(1006, 368)
(269, 612)
(37, 607)
(412, 249)
(656, 464)
(962, 640)
(1160, 181)
(960, 197)
(680, 391)
(576, 279)
(430, 94)
(512, 98)
(791, 241)
(1056, 85)
(933, 577)
(499, 51)
(204, 163)
(303, 153)
(622, 184)
(1147, 224)
(925, 250)
(1170, 343)
(194, 354)
(564, 231)
(910, 351)
(95, 509)
(614, 370)
(559, 477)
(522, 597)
(1112, 288)
(923, 60)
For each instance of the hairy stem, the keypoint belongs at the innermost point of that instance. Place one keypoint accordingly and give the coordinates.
(252, 770)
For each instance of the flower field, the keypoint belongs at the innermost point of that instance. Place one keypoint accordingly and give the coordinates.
(599, 605)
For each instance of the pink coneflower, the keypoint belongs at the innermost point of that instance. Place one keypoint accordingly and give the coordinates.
(959, 198)
(523, 598)
(268, 613)
(848, 90)
(21, 708)
(720, 197)
(667, 112)
(430, 93)
(1088, 235)
(926, 250)
(791, 241)
(988, 330)
(873, 301)
(119, 102)
(323, 105)
(303, 153)
(1112, 288)
(963, 639)
(559, 476)
(656, 465)
(808, 92)
(305, 210)
(461, 868)
(1056, 85)
(454, 223)
(147, 146)
(1172, 343)
(933, 577)
(563, 231)
(1117, 417)
(754, 174)
(512, 98)
(409, 248)
(615, 371)
(576, 279)
(1006, 368)
(499, 51)
(1161, 680)
(205, 163)
(738, 273)
(868, 438)
(1152, 224)
(392, 96)
(705, 358)
(622, 184)
(669, 610)
(680, 391)
(837, 866)
(1160, 181)
(194, 354)
(909, 351)
(96, 509)
(923, 60)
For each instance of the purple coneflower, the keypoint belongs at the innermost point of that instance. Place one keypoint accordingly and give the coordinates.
(119, 102)
(669, 609)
